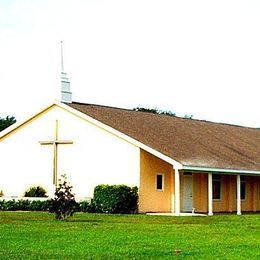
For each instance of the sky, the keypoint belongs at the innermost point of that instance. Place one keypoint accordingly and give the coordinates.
(200, 58)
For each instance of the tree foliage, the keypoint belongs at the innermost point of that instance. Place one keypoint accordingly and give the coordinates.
(188, 116)
(155, 111)
(160, 112)
(5, 122)
(36, 192)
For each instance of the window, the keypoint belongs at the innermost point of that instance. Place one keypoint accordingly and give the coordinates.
(216, 184)
(243, 187)
(160, 182)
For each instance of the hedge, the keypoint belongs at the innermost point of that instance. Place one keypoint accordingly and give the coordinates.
(107, 199)
(26, 205)
(115, 199)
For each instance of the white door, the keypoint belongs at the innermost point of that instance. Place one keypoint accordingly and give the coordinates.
(187, 193)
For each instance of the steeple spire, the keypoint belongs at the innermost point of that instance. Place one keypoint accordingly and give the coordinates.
(66, 95)
(61, 55)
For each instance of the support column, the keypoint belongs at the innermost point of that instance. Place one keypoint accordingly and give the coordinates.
(210, 197)
(238, 195)
(172, 192)
(177, 192)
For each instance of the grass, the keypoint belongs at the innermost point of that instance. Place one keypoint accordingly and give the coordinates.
(36, 235)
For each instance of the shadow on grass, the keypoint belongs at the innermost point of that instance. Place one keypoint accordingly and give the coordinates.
(85, 220)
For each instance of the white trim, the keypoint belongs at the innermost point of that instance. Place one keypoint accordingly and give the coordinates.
(172, 192)
(16, 125)
(220, 170)
(210, 195)
(177, 192)
(159, 174)
(238, 195)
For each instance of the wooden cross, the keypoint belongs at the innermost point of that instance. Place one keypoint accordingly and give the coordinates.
(55, 144)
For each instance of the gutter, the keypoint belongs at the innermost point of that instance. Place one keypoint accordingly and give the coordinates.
(219, 170)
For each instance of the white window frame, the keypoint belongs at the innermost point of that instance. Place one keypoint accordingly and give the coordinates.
(159, 174)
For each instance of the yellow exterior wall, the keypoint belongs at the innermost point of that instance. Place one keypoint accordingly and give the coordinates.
(200, 192)
(151, 200)
(251, 202)
(227, 203)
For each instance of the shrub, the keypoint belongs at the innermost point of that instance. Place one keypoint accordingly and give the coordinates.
(35, 205)
(63, 205)
(22, 205)
(9, 205)
(38, 205)
(86, 206)
(115, 199)
(35, 192)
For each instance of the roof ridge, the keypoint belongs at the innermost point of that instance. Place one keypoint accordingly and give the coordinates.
(183, 118)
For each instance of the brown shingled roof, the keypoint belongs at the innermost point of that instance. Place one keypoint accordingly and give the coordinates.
(190, 142)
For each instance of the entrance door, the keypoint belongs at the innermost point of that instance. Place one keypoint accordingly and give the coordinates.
(187, 193)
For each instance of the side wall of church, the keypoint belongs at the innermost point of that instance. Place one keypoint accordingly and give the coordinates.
(95, 157)
(151, 199)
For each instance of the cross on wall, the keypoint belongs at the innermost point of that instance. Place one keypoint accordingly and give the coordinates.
(55, 144)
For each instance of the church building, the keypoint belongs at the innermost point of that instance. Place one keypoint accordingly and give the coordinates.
(179, 165)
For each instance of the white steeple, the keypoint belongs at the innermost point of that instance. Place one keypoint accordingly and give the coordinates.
(66, 95)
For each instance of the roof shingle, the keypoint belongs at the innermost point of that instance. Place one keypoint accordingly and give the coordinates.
(188, 141)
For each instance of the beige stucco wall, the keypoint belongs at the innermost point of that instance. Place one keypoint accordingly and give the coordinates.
(151, 200)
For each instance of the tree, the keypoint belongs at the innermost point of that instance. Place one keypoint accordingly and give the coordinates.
(159, 112)
(155, 111)
(5, 122)
(63, 205)
(188, 116)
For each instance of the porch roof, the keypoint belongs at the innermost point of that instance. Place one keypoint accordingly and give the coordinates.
(193, 143)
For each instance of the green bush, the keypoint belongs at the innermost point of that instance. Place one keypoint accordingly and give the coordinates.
(38, 205)
(115, 199)
(63, 205)
(35, 192)
(86, 206)
(9, 205)
(26, 205)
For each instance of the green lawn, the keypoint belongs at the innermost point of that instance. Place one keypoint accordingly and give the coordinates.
(35, 235)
